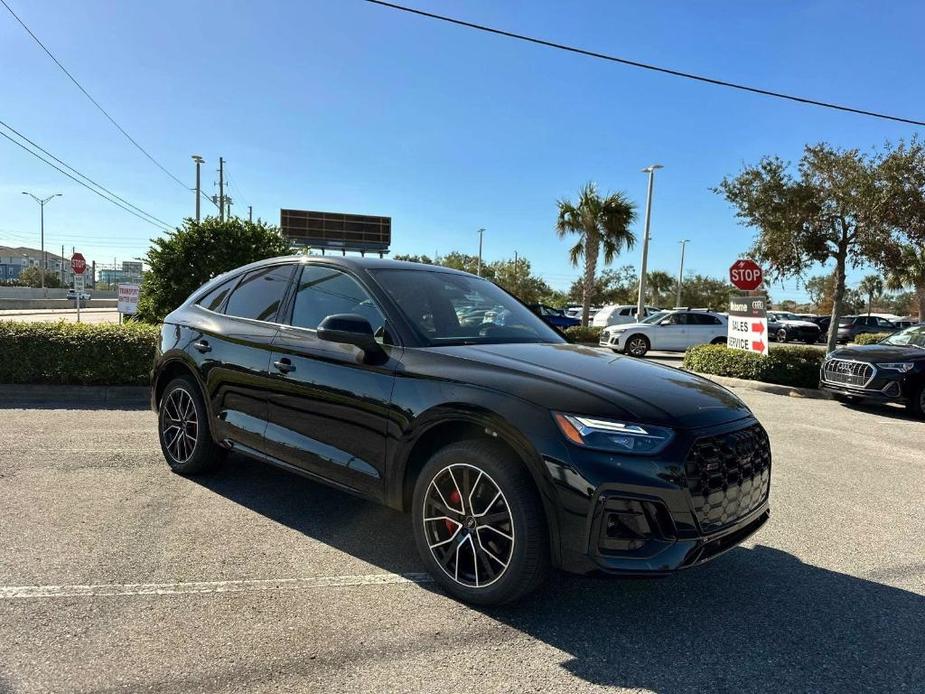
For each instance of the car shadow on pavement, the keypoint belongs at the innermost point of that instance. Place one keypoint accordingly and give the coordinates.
(891, 411)
(753, 619)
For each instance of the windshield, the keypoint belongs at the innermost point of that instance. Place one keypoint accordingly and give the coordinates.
(846, 320)
(449, 309)
(654, 318)
(910, 337)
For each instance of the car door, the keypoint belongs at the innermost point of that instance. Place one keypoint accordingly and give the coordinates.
(231, 342)
(671, 333)
(328, 408)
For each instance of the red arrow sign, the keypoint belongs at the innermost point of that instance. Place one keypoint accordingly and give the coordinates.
(758, 328)
(758, 346)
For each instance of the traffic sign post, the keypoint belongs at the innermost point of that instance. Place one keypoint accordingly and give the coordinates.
(746, 275)
(78, 267)
(748, 324)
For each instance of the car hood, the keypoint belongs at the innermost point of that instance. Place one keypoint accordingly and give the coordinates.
(797, 323)
(628, 326)
(874, 353)
(586, 380)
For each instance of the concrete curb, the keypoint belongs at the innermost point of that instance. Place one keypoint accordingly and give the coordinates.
(84, 395)
(790, 391)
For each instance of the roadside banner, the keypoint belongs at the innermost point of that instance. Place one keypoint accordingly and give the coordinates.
(128, 299)
(748, 324)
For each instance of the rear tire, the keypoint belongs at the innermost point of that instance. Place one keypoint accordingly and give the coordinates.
(479, 524)
(720, 341)
(183, 429)
(636, 346)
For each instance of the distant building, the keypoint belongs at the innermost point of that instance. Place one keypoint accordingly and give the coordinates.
(129, 273)
(13, 260)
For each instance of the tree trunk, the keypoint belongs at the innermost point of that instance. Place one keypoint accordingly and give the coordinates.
(592, 248)
(839, 296)
(920, 293)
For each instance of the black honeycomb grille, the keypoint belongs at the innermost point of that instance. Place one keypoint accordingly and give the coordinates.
(728, 475)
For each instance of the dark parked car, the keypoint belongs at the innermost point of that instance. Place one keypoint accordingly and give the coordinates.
(823, 322)
(512, 449)
(850, 327)
(554, 316)
(787, 327)
(892, 370)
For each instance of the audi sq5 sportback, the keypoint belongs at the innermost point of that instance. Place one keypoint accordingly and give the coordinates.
(435, 392)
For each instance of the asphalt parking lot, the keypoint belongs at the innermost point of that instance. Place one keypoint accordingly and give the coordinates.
(116, 575)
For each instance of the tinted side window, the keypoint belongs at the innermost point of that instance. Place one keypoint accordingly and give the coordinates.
(213, 300)
(625, 311)
(260, 293)
(324, 291)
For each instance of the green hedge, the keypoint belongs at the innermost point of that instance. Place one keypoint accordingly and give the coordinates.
(77, 353)
(785, 364)
(579, 334)
(869, 338)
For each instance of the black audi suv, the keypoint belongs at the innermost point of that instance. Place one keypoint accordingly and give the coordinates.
(436, 392)
(892, 370)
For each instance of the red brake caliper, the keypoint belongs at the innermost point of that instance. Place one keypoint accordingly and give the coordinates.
(456, 502)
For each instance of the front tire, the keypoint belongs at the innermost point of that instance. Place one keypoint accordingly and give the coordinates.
(917, 402)
(637, 346)
(479, 524)
(183, 429)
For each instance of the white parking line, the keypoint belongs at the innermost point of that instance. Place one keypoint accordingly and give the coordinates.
(106, 589)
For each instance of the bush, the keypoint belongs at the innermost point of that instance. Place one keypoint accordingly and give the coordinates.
(188, 257)
(869, 338)
(578, 334)
(77, 353)
(785, 365)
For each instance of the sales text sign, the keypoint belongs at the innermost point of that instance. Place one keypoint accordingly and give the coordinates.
(748, 324)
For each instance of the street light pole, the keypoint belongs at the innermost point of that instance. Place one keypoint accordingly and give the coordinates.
(199, 161)
(640, 303)
(41, 203)
(681, 271)
(479, 270)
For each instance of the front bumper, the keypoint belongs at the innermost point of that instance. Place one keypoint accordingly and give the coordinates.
(880, 389)
(611, 340)
(649, 517)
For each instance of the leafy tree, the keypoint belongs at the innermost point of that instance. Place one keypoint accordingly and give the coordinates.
(517, 278)
(661, 287)
(426, 259)
(907, 269)
(602, 224)
(32, 277)
(837, 209)
(870, 287)
(700, 291)
(464, 262)
(198, 251)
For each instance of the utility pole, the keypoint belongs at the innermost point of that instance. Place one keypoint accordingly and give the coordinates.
(228, 203)
(41, 203)
(199, 161)
(221, 189)
(640, 303)
(62, 264)
(250, 213)
(479, 269)
(684, 243)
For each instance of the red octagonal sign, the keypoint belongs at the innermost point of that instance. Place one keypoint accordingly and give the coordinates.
(78, 264)
(745, 274)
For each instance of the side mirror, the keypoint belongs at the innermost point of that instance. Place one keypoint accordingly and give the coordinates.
(349, 329)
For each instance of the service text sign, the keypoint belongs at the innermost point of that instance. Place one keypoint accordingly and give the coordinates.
(748, 324)
(128, 299)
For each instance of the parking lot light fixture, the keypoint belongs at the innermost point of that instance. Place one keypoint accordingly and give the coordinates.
(640, 304)
(41, 202)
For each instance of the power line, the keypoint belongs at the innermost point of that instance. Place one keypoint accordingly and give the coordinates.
(86, 178)
(77, 180)
(87, 94)
(646, 66)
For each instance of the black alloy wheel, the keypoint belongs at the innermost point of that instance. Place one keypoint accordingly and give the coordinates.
(183, 429)
(479, 523)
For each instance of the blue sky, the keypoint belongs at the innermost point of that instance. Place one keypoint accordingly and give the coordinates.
(345, 106)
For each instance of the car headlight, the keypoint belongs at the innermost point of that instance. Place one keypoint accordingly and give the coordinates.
(901, 366)
(613, 435)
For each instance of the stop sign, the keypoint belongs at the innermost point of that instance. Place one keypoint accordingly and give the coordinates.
(745, 274)
(78, 264)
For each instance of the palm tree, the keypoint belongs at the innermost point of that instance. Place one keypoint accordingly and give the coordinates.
(870, 287)
(909, 271)
(601, 224)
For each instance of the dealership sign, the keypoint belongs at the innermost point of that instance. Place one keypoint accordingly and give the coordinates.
(128, 299)
(748, 324)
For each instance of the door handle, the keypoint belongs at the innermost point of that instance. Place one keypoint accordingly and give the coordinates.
(202, 346)
(284, 365)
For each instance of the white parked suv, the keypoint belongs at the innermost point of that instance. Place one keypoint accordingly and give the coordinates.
(668, 331)
(617, 314)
